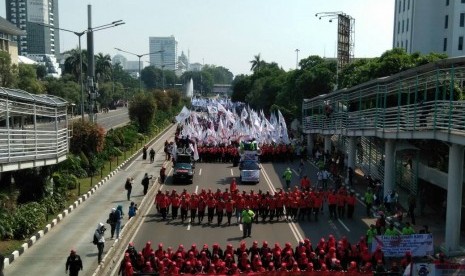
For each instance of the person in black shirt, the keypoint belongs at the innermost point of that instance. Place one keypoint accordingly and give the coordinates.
(73, 263)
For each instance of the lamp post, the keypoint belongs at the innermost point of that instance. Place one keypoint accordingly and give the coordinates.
(139, 56)
(79, 34)
(297, 59)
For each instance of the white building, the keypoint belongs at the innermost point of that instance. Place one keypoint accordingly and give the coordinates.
(27, 15)
(164, 52)
(430, 26)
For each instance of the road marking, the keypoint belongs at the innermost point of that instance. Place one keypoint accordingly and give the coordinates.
(189, 227)
(343, 225)
(196, 188)
(200, 172)
(298, 237)
(240, 227)
(232, 173)
(295, 172)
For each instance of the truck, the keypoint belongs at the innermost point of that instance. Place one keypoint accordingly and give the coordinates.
(183, 167)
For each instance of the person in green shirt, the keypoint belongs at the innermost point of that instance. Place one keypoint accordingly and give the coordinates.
(287, 175)
(371, 233)
(408, 229)
(390, 231)
(247, 218)
(369, 199)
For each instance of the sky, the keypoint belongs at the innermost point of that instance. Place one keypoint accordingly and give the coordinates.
(230, 33)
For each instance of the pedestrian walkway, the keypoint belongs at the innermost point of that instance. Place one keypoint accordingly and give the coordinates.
(431, 216)
(47, 255)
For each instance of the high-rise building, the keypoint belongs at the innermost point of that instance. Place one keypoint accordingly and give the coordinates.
(430, 26)
(26, 14)
(164, 52)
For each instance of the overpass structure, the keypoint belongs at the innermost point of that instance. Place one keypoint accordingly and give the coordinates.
(33, 130)
(376, 121)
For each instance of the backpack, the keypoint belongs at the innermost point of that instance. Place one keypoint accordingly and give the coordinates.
(95, 241)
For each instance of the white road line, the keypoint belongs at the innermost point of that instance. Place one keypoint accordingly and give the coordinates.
(295, 171)
(343, 225)
(196, 188)
(295, 231)
(240, 227)
(232, 173)
(200, 172)
(189, 227)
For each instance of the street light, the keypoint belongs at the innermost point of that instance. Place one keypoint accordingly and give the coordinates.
(139, 56)
(79, 34)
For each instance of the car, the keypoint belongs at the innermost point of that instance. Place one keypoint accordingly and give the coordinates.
(183, 169)
(249, 172)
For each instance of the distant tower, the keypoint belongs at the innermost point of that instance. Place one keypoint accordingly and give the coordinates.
(25, 15)
(168, 59)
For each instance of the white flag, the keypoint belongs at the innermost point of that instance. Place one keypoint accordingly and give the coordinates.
(183, 115)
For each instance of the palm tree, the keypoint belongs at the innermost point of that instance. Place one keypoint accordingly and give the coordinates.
(257, 63)
(73, 63)
(103, 66)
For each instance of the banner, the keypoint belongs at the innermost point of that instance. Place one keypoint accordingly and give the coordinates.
(395, 246)
(447, 269)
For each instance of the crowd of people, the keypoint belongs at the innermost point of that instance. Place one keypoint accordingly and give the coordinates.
(328, 254)
(298, 204)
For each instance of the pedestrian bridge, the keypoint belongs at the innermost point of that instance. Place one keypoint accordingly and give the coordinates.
(427, 102)
(33, 130)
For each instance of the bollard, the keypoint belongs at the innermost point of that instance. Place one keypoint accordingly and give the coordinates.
(79, 188)
(124, 154)
(91, 178)
(117, 160)
(110, 164)
(101, 172)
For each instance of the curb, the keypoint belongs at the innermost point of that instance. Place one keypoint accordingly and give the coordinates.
(39, 234)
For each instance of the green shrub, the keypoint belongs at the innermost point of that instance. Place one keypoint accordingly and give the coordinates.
(27, 219)
(84, 160)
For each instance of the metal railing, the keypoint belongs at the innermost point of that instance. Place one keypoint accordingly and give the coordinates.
(32, 127)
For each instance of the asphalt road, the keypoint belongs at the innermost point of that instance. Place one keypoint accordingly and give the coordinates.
(218, 176)
(114, 118)
(48, 255)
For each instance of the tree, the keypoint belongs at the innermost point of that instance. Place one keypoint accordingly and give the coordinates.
(141, 111)
(151, 77)
(220, 74)
(28, 79)
(241, 86)
(88, 138)
(73, 63)
(41, 72)
(8, 72)
(103, 67)
(257, 63)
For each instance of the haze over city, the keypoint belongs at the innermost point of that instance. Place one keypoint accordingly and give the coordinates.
(230, 33)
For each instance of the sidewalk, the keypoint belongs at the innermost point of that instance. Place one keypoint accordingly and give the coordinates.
(431, 216)
(45, 253)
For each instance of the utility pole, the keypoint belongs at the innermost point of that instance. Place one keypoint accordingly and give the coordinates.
(91, 86)
(297, 59)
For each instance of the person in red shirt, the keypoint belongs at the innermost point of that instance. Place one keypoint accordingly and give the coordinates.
(193, 205)
(317, 204)
(341, 204)
(233, 185)
(305, 183)
(332, 203)
(163, 203)
(220, 206)
(175, 202)
(229, 206)
(201, 208)
(211, 205)
(184, 208)
(351, 205)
